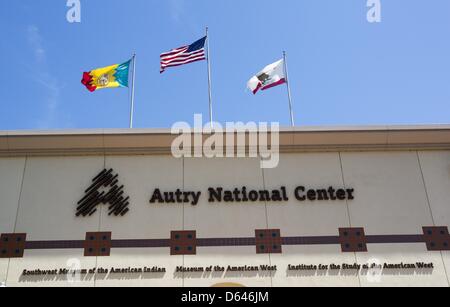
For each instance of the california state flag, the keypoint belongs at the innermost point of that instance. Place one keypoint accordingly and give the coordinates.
(271, 76)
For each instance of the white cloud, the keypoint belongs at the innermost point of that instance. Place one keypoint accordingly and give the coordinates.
(41, 75)
(51, 100)
(176, 9)
(179, 14)
(35, 42)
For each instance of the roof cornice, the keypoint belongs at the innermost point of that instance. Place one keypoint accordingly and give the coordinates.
(158, 141)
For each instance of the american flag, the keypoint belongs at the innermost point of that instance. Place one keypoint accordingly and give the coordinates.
(184, 55)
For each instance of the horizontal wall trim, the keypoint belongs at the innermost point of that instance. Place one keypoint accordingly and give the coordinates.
(228, 242)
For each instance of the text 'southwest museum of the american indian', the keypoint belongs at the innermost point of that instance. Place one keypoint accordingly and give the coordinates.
(361, 206)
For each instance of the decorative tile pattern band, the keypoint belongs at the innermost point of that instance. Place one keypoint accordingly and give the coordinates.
(265, 241)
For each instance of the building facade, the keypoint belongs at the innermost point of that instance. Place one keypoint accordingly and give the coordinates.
(364, 206)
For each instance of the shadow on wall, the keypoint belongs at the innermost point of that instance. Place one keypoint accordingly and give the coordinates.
(363, 272)
(52, 278)
(92, 277)
(222, 275)
(219, 275)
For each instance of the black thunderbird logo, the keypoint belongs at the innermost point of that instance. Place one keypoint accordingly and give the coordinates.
(104, 190)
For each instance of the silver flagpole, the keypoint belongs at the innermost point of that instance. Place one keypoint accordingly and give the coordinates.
(209, 80)
(132, 91)
(288, 88)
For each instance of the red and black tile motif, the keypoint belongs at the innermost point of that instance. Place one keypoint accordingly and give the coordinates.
(268, 241)
(12, 245)
(437, 238)
(353, 240)
(183, 243)
(97, 244)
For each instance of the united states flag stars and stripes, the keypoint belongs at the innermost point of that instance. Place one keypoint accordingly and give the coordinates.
(184, 55)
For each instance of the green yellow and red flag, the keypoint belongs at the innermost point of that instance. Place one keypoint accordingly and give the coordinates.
(107, 77)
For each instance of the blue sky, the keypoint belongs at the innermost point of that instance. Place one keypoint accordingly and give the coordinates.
(343, 70)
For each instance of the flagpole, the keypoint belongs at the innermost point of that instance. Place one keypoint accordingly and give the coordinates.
(132, 91)
(288, 88)
(209, 80)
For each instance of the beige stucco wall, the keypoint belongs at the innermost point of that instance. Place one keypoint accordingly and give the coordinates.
(395, 193)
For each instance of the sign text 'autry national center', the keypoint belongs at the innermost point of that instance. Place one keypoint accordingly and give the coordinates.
(244, 195)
